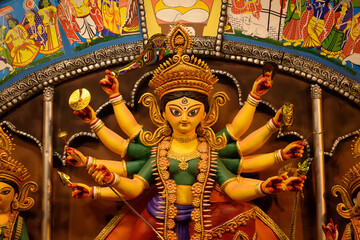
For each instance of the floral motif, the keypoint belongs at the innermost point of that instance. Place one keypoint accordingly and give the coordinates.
(195, 214)
(172, 211)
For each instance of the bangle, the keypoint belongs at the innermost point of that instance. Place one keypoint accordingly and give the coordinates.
(115, 95)
(272, 126)
(90, 161)
(115, 181)
(258, 189)
(253, 101)
(97, 125)
(116, 100)
(278, 156)
(95, 192)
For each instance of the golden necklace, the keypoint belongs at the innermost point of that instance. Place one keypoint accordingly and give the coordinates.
(184, 158)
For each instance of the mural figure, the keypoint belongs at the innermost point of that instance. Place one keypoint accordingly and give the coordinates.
(333, 44)
(47, 12)
(192, 13)
(252, 7)
(13, 193)
(131, 24)
(252, 27)
(291, 32)
(316, 22)
(35, 28)
(22, 49)
(84, 20)
(351, 50)
(113, 15)
(96, 16)
(65, 13)
(5, 58)
(349, 208)
(197, 171)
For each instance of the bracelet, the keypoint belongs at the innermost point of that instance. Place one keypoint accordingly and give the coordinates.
(90, 161)
(96, 126)
(272, 126)
(95, 192)
(117, 100)
(115, 95)
(116, 180)
(252, 100)
(278, 156)
(258, 189)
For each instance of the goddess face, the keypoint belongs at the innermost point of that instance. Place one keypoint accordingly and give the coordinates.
(184, 115)
(7, 194)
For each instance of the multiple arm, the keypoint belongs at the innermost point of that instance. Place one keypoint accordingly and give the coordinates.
(244, 117)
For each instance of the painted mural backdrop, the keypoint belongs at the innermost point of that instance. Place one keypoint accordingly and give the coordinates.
(36, 31)
(328, 29)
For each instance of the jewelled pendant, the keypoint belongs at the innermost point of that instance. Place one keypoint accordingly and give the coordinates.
(183, 165)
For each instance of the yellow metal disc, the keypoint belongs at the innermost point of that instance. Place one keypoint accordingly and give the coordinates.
(79, 99)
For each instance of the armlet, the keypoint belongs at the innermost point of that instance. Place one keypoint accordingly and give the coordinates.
(143, 180)
(124, 151)
(230, 133)
(230, 180)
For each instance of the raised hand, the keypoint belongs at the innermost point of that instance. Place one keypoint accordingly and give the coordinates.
(261, 85)
(87, 114)
(293, 150)
(101, 174)
(278, 118)
(110, 84)
(273, 185)
(75, 157)
(294, 184)
(79, 190)
(330, 231)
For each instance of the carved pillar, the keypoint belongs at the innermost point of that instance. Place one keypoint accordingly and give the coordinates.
(47, 156)
(318, 158)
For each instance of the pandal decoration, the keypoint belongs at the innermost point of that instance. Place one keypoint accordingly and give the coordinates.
(355, 146)
(351, 181)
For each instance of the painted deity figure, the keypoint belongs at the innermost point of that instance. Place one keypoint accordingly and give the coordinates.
(65, 13)
(333, 44)
(88, 28)
(192, 13)
(197, 172)
(291, 32)
(22, 49)
(113, 15)
(349, 208)
(5, 58)
(35, 28)
(47, 12)
(316, 22)
(13, 193)
(351, 50)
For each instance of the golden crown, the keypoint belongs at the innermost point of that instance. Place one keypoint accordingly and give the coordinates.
(182, 72)
(10, 168)
(351, 179)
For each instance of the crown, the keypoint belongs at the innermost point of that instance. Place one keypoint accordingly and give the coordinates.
(182, 72)
(10, 168)
(352, 178)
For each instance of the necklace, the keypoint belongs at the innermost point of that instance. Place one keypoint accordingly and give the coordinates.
(185, 139)
(184, 158)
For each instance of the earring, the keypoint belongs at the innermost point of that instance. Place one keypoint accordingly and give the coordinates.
(15, 204)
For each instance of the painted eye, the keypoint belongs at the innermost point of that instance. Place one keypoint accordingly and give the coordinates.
(175, 112)
(194, 112)
(5, 192)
